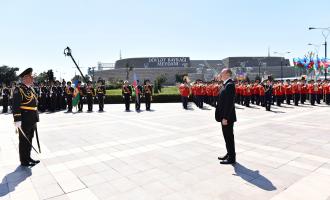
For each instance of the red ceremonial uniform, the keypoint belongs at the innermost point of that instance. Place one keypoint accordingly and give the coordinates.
(184, 90)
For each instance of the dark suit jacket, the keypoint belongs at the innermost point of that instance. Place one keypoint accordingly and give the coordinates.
(226, 103)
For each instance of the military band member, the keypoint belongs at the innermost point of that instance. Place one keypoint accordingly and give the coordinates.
(147, 90)
(327, 92)
(25, 116)
(304, 91)
(90, 93)
(184, 92)
(295, 92)
(257, 92)
(288, 92)
(100, 91)
(262, 94)
(69, 95)
(127, 93)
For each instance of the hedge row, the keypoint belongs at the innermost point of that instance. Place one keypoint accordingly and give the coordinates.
(155, 99)
(115, 99)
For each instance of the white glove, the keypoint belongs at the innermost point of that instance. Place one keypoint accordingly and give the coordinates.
(18, 124)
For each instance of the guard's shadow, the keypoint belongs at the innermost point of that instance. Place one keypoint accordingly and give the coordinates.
(276, 111)
(253, 177)
(13, 179)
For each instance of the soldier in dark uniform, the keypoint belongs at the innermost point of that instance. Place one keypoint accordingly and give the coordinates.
(69, 94)
(5, 98)
(25, 116)
(268, 95)
(90, 93)
(138, 93)
(58, 95)
(147, 94)
(63, 95)
(43, 97)
(127, 92)
(52, 97)
(100, 91)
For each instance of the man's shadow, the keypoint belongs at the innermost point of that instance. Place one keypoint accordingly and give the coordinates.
(251, 176)
(13, 179)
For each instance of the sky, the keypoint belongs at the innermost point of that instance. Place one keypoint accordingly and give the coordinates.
(34, 33)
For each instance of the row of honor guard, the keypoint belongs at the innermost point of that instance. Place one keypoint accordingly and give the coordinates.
(139, 92)
(56, 96)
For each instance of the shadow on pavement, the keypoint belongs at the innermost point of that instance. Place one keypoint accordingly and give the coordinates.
(253, 177)
(13, 179)
(276, 111)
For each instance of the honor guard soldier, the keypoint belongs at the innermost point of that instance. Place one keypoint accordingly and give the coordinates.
(90, 93)
(100, 91)
(5, 98)
(147, 91)
(138, 92)
(25, 116)
(53, 97)
(69, 95)
(81, 90)
(127, 92)
(58, 95)
(63, 96)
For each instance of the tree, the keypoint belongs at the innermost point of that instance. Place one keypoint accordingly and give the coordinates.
(8, 74)
(156, 91)
(258, 78)
(76, 78)
(43, 76)
(129, 68)
(160, 81)
(79, 78)
(179, 77)
(50, 75)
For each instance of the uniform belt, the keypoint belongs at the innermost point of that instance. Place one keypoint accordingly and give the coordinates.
(28, 108)
(100, 93)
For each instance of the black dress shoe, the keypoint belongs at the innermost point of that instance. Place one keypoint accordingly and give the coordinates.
(224, 157)
(29, 164)
(34, 161)
(228, 162)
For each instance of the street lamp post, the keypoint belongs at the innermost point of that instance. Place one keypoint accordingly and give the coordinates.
(282, 54)
(67, 52)
(325, 33)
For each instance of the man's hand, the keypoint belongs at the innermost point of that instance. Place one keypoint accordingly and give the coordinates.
(224, 122)
(18, 124)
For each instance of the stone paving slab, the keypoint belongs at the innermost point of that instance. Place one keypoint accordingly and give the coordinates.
(171, 153)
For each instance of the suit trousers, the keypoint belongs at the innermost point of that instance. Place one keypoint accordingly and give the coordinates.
(228, 134)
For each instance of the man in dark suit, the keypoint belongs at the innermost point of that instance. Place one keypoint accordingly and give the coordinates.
(226, 114)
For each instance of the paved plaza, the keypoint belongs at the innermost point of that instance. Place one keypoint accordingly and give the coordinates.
(171, 154)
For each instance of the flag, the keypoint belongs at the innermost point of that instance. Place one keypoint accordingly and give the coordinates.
(136, 91)
(76, 97)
